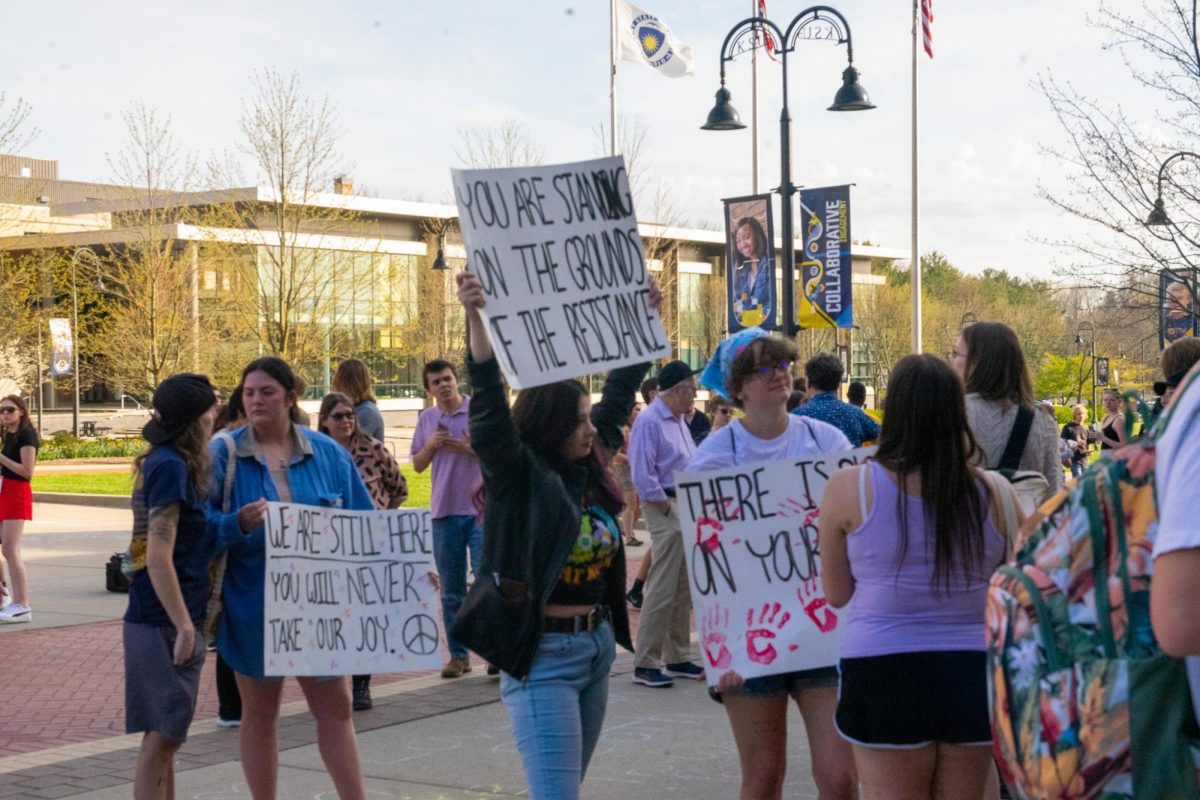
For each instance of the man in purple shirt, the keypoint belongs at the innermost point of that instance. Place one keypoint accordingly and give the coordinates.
(659, 444)
(442, 439)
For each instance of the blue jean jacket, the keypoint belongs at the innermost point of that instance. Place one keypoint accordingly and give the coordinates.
(322, 475)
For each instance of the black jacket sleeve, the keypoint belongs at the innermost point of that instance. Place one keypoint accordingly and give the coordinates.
(493, 435)
(616, 401)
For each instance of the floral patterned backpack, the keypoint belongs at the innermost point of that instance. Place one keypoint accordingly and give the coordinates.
(1084, 703)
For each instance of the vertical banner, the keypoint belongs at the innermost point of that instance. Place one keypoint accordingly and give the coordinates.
(62, 347)
(1102, 372)
(824, 273)
(349, 592)
(750, 256)
(559, 255)
(1177, 304)
(754, 568)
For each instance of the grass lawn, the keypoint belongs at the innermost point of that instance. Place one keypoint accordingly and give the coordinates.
(122, 483)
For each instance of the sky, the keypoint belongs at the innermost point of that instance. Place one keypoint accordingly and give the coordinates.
(408, 77)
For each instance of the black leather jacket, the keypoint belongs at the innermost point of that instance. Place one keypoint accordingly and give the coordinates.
(531, 522)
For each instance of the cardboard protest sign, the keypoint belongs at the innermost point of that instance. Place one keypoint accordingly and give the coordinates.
(750, 537)
(558, 253)
(348, 592)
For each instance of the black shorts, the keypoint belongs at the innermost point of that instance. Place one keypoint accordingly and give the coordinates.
(914, 699)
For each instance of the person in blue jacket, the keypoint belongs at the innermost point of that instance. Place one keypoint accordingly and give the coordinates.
(277, 460)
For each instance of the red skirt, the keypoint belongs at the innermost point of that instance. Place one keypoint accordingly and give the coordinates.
(16, 499)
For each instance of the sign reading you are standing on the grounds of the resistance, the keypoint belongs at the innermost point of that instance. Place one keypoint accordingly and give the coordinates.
(349, 592)
(558, 253)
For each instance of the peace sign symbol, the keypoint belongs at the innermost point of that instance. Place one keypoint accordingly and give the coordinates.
(420, 634)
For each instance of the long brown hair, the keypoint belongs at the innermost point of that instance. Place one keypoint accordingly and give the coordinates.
(23, 413)
(922, 412)
(192, 445)
(328, 403)
(545, 417)
(353, 379)
(995, 367)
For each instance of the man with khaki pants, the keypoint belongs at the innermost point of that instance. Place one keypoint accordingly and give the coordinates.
(659, 444)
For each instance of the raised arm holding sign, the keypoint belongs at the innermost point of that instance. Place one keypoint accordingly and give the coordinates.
(560, 260)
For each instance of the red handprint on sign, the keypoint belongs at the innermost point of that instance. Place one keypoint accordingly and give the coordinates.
(707, 529)
(816, 607)
(758, 645)
(712, 637)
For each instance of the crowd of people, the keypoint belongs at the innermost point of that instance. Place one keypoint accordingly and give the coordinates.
(533, 506)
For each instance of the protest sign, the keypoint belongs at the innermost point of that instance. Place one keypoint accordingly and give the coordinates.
(558, 253)
(750, 535)
(348, 592)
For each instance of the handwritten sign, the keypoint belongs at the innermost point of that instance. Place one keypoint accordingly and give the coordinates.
(558, 253)
(750, 534)
(348, 592)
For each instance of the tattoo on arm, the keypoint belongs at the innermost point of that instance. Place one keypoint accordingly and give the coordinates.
(163, 522)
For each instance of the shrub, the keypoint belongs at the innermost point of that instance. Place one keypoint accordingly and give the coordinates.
(63, 445)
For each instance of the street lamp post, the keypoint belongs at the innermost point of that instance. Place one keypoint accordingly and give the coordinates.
(439, 263)
(743, 37)
(1086, 327)
(1158, 216)
(87, 255)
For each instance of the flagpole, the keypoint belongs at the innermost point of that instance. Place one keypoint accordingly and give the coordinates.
(754, 106)
(612, 77)
(915, 255)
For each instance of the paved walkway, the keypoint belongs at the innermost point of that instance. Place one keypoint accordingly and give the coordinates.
(62, 733)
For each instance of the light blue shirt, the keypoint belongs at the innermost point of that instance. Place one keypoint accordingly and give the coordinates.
(322, 474)
(659, 444)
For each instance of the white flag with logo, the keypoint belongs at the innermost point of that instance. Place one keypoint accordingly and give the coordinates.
(646, 39)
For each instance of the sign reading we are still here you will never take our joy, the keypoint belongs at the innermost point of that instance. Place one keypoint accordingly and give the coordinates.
(750, 538)
(349, 592)
(561, 262)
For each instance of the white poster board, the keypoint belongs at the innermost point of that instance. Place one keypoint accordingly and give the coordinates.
(750, 538)
(558, 253)
(349, 592)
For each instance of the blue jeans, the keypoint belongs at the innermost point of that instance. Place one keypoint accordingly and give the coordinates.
(1077, 468)
(452, 538)
(557, 712)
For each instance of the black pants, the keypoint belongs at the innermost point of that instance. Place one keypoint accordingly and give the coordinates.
(229, 699)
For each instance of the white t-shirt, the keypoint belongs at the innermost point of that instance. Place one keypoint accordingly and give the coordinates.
(1176, 476)
(734, 445)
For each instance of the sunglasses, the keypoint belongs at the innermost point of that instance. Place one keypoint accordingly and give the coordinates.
(342, 416)
(767, 369)
(9, 410)
(723, 411)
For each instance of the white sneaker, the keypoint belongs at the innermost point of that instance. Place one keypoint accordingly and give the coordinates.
(228, 723)
(16, 612)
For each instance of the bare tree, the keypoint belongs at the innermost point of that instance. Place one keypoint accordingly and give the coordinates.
(1111, 160)
(302, 267)
(13, 133)
(507, 145)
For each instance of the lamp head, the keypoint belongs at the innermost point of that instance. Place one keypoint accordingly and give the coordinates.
(852, 96)
(440, 261)
(723, 117)
(1158, 216)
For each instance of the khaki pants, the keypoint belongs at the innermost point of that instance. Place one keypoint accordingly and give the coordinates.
(664, 635)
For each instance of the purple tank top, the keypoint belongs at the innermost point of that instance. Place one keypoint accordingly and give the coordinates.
(896, 610)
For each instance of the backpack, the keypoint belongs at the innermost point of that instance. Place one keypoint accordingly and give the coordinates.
(1084, 703)
(1030, 486)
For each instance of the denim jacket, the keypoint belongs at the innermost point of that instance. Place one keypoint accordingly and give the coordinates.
(323, 474)
(532, 519)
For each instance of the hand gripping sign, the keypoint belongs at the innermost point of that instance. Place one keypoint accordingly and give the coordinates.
(349, 592)
(559, 256)
(754, 565)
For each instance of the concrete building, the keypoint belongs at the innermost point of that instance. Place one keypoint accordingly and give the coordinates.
(367, 261)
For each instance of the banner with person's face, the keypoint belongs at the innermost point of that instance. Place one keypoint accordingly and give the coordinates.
(62, 347)
(1177, 305)
(750, 254)
(824, 273)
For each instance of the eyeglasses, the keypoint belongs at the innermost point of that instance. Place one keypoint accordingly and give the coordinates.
(767, 369)
(342, 416)
(9, 410)
(723, 411)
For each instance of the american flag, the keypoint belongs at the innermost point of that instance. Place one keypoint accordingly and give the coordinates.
(926, 25)
(768, 38)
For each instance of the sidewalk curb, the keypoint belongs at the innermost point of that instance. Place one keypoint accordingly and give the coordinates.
(93, 500)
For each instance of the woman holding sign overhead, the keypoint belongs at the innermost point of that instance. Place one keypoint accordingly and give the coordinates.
(277, 460)
(753, 370)
(550, 602)
(912, 537)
